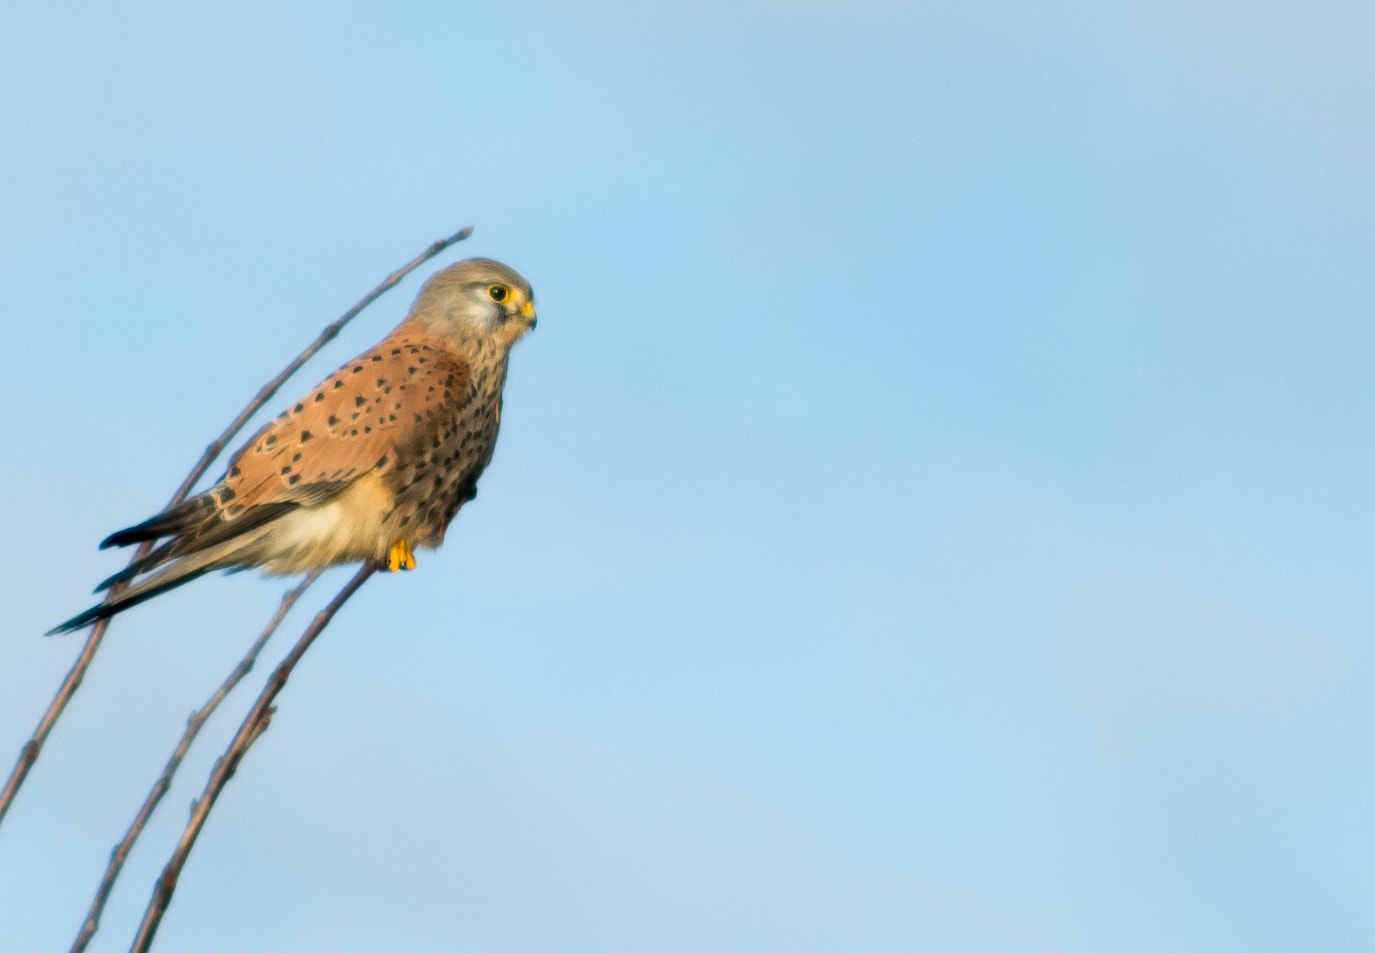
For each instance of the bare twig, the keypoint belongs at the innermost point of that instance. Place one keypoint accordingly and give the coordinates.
(164, 782)
(28, 754)
(254, 724)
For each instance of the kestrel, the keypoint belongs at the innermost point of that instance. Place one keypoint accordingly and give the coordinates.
(370, 465)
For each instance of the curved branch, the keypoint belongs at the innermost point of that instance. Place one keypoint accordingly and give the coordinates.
(164, 782)
(254, 724)
(28, 754)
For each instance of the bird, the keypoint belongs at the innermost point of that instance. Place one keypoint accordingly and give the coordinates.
(370, 465)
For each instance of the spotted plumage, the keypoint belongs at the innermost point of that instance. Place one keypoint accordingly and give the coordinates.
(373, 463)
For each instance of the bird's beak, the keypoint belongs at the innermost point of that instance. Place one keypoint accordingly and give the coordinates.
(528, 311)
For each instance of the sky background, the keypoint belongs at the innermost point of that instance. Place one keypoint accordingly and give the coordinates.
(933, 513)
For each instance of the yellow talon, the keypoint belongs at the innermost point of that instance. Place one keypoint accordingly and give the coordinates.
(400, 556)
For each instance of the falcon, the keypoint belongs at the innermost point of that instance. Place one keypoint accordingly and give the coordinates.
(370, 465)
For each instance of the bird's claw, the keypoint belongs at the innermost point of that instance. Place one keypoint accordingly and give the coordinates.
(400, 556)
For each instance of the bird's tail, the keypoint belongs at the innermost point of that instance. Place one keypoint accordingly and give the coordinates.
(167, 566)
(179, 520)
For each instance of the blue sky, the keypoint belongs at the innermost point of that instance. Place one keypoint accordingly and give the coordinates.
(933, 512)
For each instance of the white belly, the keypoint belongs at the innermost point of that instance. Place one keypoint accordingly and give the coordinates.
(348, 528)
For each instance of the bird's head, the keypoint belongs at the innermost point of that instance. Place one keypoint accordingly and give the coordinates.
(476, 300)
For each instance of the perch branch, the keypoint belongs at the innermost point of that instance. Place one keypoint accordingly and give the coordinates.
(254, 724)
(164, 782)
(28, 754)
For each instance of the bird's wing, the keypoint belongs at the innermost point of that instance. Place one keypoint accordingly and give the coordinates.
(380, 406)
(386, 405)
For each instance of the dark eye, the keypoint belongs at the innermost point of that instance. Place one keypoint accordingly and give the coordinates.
(498, 292)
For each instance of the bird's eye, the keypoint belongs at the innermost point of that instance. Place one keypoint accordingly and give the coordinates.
(498, 292)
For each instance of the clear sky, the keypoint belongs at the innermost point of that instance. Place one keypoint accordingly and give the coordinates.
(934, 511)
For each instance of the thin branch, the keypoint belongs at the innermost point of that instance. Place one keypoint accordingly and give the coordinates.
(254, 724)
(28, 754)
(164, 782)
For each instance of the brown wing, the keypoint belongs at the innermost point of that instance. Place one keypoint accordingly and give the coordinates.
(383, 405)
(386, 406)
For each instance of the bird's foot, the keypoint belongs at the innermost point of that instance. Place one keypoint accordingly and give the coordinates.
(400, 556)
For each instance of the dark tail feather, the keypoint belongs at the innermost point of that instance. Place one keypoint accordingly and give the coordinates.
(138, 566)
(175, 521)
(126, 601)
(176, 572)
(192, 537)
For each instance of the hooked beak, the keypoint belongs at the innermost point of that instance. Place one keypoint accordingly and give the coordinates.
(527, 311)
